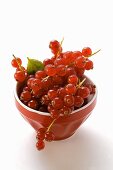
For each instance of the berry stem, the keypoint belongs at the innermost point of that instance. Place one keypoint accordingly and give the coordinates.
(80, 84)
(61, 46)
(62, 41)
(18, 63)
(45, 78)
(49, 127)
(94, 53)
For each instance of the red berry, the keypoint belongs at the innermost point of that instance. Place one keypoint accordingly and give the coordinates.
(40, 74)
(36, 84)
(70, 71)
(88, 65)
(59, 61)
(52, 94)
(26, 88)
(68, 57)
(21, 69)
(45, 100)
(61, 92)
(55, 47)
(80, 62)
(29, 81)
(73, 79)
(86, 51)
(40, 145)
(49, 136)
(69, 100)
(61, 70)
(47, 83)
(15, 62)
(54, 113)
(50, 70)
(79, 71)
(76, 54)
(84, 92)
(57, 80)
(32, 104)
(78, 101)
(25, 96)
(57, 103)
(65, 111)
(20, 76)
(50, 107)
(89, 86)
(41, 134)
(47, 61)
(70, 89)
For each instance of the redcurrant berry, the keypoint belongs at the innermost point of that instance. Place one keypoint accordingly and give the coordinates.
(50, 70)
(84, 92)
(70, 89)
(78, 101)
(15, 62)
(69, 100)
(25, 96)
(73, 79)
(49, 136)
(57, 103)
(32, 104)
(40, 145)
(86, 51)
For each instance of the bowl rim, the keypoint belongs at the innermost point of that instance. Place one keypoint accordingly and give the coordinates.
(48, 114)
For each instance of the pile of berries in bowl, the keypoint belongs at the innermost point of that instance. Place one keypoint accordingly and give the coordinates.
(55, 96)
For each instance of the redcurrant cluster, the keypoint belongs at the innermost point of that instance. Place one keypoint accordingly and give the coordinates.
(21, 73)
(59, 88)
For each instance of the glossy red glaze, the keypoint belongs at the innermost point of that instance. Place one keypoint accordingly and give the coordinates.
(64, 127)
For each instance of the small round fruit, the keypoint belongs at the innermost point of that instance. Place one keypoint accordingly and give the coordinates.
(65, 111)
(40, 145)
(54, 113)
(70, 89)
(80, 62)
(49, 136)
(78, 101)
(40, 74)
(89, 65)
(41, 134)
(20, 76)
(47, 61)
(61, 92)
(86, 51)
(57, 103)
(15, 62)
(61, 70)
(26, 88)
(45, 100)
(76, 54)
(32, 104)
(55, 47)
(73, 79)
(25, 96)
(84, 92)
(69, 100)
(50, 70)
(29, 81)
(52, 94)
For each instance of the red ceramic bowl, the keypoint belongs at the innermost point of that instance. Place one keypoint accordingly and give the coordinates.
(63, 127)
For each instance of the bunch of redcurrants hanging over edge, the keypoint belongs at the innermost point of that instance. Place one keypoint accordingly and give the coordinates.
(56, 85)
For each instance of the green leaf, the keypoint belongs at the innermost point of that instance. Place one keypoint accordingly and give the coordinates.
(34, 65)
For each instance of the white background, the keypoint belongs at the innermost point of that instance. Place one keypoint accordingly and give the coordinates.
(26, 27)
